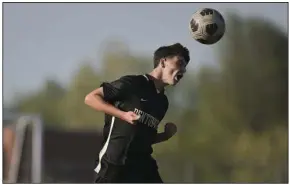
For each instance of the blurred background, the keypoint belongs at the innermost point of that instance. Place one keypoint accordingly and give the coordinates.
(231, 109)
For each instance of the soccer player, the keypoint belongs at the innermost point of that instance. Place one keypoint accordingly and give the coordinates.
(134, 105)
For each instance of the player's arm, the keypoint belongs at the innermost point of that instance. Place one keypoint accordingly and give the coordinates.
(95, 100)
(161, 137)
(169, 130)
(99, 99)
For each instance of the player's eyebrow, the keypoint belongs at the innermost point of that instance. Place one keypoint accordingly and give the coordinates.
(182, 60)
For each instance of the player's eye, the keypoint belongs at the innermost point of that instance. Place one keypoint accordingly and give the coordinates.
(179, 62)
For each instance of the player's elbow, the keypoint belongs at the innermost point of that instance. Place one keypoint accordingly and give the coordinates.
(93, 99)
(88, 99)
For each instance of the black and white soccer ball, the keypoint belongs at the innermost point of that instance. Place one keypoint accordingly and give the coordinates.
(207, 26)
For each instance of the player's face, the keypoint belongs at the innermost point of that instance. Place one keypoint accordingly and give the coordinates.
(174, 69)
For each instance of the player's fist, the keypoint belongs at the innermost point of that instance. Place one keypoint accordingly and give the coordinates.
(170, 129)
(130, 117)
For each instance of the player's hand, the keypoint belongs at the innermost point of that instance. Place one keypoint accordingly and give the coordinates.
(130, 117)
(170, 129)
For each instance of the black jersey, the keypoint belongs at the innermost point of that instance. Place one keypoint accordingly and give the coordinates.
(122, 141)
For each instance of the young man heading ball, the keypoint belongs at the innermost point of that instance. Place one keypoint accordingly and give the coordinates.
(134, 105)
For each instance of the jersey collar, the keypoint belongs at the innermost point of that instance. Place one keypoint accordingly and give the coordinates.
(149, 79)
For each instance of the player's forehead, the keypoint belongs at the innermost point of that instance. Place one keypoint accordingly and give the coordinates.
(179, 59)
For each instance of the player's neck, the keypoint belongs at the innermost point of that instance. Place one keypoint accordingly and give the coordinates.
(157, 78)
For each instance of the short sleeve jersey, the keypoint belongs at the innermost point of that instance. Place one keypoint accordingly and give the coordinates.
(121, 140)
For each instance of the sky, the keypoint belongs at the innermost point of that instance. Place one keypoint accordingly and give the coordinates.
(44, 40)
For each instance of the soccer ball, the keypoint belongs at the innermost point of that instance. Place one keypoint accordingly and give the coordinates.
(207, 26)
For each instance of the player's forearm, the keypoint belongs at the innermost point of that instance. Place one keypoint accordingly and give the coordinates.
(160, 137)
(96, 102)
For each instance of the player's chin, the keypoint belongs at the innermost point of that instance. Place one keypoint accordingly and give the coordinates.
(170, 83)
(174, 82)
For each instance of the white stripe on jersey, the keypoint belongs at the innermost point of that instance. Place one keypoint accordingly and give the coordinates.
(105, 147)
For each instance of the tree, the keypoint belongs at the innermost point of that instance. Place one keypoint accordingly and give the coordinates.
(76, 113)
(44, 102)
(240, 134)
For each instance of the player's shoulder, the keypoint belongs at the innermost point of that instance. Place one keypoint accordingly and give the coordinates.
(133, 78)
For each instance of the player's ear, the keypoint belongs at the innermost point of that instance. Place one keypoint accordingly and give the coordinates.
(162, 62)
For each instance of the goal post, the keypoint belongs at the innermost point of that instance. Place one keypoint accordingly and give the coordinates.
(36, 124)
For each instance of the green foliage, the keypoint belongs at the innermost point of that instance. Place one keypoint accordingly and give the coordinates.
(241, 130)
(232, 120)
(45, 102)
(75, 112)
